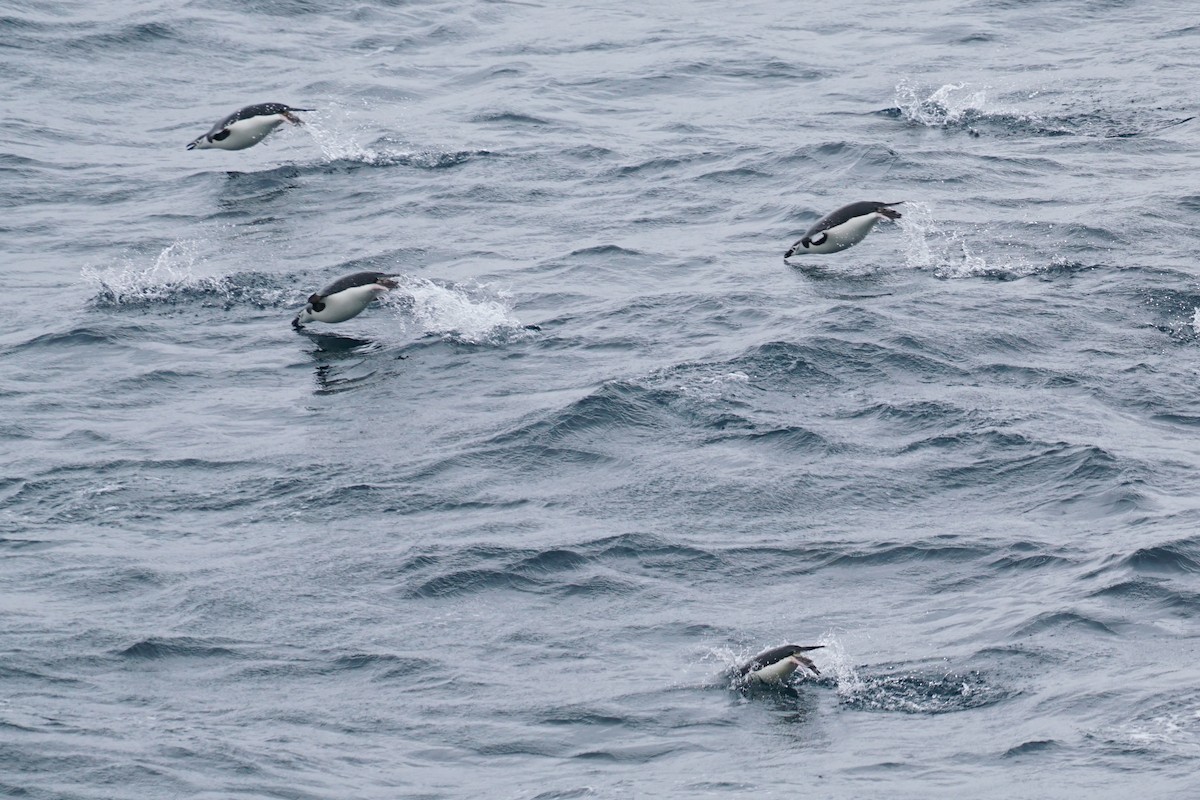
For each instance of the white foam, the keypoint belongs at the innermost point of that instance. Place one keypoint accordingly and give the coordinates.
(176, 270)
(947, 105)
(171, 270)
(337, 134)
(953, 252)
(849, 684)
(467, 314)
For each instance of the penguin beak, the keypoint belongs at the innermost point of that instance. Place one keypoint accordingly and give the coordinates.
(387, 283)
(191, 146)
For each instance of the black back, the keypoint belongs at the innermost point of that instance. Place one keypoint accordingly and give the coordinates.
(768, 657)
(349, 282)
(846, 213)
(260, 110)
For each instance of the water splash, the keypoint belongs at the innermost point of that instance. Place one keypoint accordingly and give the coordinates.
(710, 388)
(953, 252)
(154, 283)
(338, 136)
(1171, 732)
(172, 279)
(950, 105)
(835, 662)
(459, 313)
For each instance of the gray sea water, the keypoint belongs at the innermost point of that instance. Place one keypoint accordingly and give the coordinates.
(505, 533)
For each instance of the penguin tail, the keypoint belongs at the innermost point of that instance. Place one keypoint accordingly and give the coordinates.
(890, 213)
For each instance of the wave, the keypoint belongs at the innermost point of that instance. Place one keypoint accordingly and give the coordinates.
(889, 689)
(171, 279)
(964, 252)
(1168, 730)
(175, 647)
(583, 568)
(967, 107)
(333, 130)
(912, 689)
(471, 314)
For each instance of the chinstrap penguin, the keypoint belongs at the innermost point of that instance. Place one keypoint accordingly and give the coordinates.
(843, 228)
(247, 127)
(344, 298)
(776, 665)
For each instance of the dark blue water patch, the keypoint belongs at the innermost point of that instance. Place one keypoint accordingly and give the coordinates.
(1004, 460)
(280, 8)
(608, 253)
(13, 26)
(1168, 301)
(385, 665)
(1056, 622)
(383, 156)
(736, 176)
(93, 492)
(630, 754)
(14, 544)
(823, 362)
(1163, 728)
(662, 167)
(473, 581)
(512, 118)
(565, 794)
(1014, 562)
(902, 552)
(793, 438)
(1157, 593)
(142, 37)
(554, 560)
(617, 404)
(933, 112)
(783, 364)
(475, 569)
(157, 648)
(921, 691)
(255, 289)
(245, 192)
(915, 416)
(752, 71)
(1034, 747)
(1182, 556)
(86, 337)
(654, 555)
(597, 586)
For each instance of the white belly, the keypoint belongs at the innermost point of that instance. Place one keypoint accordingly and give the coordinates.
(850, 232)
(345, 304)
(777, 672)
(248, 132)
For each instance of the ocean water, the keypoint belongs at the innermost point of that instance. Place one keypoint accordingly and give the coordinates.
(505, 533)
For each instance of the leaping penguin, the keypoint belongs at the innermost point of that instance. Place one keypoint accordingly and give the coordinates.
(344, 298)
(247, 127)
(843, 228)
(776, 665)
